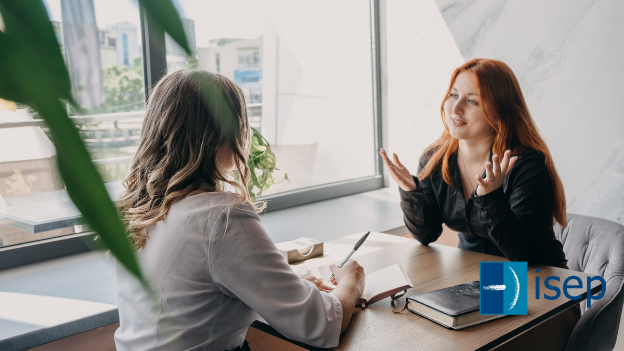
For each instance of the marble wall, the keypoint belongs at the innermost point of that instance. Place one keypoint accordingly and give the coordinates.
(568, 56)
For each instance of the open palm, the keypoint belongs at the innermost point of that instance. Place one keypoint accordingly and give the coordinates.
(398, 172)
(496, 172)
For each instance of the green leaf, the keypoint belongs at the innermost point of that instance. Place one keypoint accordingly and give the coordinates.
(267, 162)
(86, 188)
(165, 14)
(28, 26)
(254, 179)
(258, 138)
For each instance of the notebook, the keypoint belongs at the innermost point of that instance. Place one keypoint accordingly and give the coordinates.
(383, 283)
(455, 307)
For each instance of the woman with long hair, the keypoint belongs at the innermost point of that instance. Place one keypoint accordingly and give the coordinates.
(489, 177)
(203, 250)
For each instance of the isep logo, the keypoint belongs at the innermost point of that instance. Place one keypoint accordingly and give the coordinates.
(503, 288)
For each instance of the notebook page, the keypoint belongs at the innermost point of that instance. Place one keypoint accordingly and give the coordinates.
(383, 280)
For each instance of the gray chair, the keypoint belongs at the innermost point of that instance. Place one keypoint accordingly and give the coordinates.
(596, 246)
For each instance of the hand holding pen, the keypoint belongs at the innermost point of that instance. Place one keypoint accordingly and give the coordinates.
(355, 248)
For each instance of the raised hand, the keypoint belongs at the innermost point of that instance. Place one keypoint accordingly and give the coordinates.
(398, 172)
(496, 173)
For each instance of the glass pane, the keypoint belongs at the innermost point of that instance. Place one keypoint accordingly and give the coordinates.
(102, 48)
(306, 74)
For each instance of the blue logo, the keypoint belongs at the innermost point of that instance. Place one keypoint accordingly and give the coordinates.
(503, 288)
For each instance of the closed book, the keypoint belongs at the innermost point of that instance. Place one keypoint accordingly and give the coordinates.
(455, 307)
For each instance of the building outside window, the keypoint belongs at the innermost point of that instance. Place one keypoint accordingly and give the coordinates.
(248, 58)
(128, 49)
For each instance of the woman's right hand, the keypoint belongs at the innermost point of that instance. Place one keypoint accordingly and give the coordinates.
(398, 172)
(351, 273)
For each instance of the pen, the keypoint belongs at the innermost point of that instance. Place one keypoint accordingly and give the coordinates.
(355, 248)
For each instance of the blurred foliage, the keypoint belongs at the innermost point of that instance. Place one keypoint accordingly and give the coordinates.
(223, 41)
(192, 62)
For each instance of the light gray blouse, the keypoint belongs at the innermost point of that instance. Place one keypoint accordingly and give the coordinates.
(210, 285)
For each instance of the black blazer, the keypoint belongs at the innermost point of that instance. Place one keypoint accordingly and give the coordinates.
(514, 221)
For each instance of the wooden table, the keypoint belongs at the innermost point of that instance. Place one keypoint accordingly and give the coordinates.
(429, 268)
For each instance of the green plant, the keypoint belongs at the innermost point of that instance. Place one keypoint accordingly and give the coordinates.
(261, 164)
(33, 73)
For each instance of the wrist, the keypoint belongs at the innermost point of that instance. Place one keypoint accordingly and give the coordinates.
(408, 189)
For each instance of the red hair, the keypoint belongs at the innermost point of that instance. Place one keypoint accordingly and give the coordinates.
(500, 93)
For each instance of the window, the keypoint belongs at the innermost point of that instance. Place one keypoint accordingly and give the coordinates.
(312, 90)
(109, 121)
(248, 58)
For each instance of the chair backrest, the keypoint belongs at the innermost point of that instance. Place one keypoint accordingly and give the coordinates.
(596, 246)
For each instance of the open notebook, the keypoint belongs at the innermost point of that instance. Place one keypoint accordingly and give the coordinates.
(383, 283)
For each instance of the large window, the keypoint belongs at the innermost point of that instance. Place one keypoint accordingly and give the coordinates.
(309, 80)
(307, 75)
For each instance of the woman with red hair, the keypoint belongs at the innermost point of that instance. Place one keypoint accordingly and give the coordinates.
(489, 177)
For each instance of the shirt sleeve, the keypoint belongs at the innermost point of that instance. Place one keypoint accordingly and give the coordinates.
(518, 215)
(421, 212)
(245, 264)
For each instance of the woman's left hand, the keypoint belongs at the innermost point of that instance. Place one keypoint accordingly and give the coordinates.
(319, 283)
(496, 172)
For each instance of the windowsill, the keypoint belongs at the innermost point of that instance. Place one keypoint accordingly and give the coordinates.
(47, 301)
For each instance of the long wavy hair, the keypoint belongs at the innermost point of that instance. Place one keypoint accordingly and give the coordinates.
(190, 115)
(500, 93)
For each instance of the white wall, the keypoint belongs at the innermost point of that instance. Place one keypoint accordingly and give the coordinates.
(317, 84)
(568, 56)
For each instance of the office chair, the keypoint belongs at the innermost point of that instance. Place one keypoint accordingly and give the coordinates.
(596, 246)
